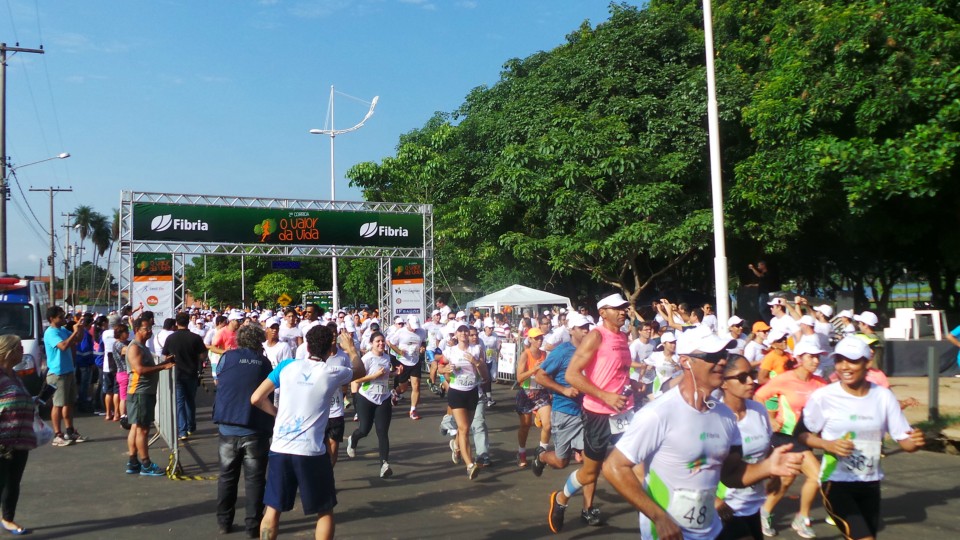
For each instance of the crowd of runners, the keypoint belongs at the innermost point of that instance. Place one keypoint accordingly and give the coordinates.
(663, 401)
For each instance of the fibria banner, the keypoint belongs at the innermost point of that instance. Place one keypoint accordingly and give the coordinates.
(153, 222)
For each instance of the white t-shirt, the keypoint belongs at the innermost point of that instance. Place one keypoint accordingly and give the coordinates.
(558, 335)
(663, 370)
(431, 329)
(301, 352)
(710, 321)
(336, 400)
(306, 388)
(785, 323)
(754, 352)
(305, 325)
(491, 347)
(824, 328)
(289, 335)
(682, 451)
(277, 353)
(376, 390)
(755, 433)
(409, 344)
(108, 341)
(739, 347)
(835, 413)
(639, 352)
(465, 376)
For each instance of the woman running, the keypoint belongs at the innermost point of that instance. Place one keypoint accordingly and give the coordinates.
(793, 389)
(740, 508)
(847, 420)
(755, 349)
(466, 372)
(532, 399)
(372, 402)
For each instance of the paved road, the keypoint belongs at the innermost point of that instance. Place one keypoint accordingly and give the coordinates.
(82, 492)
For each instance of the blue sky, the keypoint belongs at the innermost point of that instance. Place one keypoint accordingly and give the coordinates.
(217, 97)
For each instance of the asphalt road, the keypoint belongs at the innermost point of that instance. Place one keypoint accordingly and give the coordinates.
(82, 492)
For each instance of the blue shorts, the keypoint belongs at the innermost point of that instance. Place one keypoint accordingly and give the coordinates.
(313, 475)
(431, 355)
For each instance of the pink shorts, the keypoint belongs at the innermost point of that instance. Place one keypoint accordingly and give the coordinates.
(123, 378)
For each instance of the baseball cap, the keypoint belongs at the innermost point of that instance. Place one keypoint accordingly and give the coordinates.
(435, 312)
(271, 322)
(413, 322)
(777, 302)
(734, 321)
(807, 347)
(575, 320)
(488, 323)
(534, 333)
(397, 320)
(825, 309)
(775, 336)
(615, 300)
(235, 316)
(760, 326)
(461, 315)
(853, 348)
(546, 312)
(668, 337)
(867, 317)
(707, 344)
(808, 320)
(848, 313)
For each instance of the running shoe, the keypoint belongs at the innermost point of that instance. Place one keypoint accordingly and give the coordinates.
(484, 460)
(555, 517)
(152, 470)
(356, 418)
(538, 465)
(472, 470)
(414, 415)
(591, 517)
(76, 437)
(133, 468)
(351, 449)
(394, 398)
(491, 402)
(125, 422)
(830, 521)
(385, 470)
(766, 523)
(454, 452)
(801, 524)
(60, 440)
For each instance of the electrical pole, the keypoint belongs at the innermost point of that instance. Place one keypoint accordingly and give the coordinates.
(66, 263)
(52, 260)
(3, 148)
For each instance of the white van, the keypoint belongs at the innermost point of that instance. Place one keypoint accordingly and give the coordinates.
(23, 308)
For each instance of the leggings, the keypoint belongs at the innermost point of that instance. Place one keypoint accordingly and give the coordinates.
(372, 415)
(11, 472)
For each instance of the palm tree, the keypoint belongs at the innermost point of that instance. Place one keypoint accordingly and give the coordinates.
(83, 217)
(100, 238)
(113, 239)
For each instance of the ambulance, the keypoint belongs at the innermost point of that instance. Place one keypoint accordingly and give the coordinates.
(23, 307)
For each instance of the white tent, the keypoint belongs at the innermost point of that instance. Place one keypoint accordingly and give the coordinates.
(518, 295)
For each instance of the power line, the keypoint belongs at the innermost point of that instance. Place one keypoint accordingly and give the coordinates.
(24, 195)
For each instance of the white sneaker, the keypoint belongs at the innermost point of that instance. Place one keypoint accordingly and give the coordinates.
(766, 524)
(801, 524)
(351, 450)
(385, 470)
(454, 452)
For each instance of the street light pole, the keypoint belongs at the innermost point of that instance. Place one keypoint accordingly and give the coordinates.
(52, 259)
(333, 183)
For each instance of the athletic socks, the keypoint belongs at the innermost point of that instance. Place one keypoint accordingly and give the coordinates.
(572, 486)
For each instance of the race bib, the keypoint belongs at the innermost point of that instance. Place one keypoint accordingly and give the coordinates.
(692, 509)
(466, 379)
(374, 388)
(619, 422)
(864, 460)
(335, 400)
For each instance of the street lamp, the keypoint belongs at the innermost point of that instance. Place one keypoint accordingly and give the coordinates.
(333, 185)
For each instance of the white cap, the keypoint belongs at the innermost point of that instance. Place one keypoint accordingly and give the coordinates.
(327, 316)
(848, 313)
(488, 323)
(563, 310)
(575, 320)
(867, 317)
(808, 320)
(807, 347)
(270, 321)
(461, 315)
(853, 348)
(614, 301)
(825, 309)
(413, 321)
(777, 302)
(775, 336)
(235, 315)
(546, 312)
(435, 312)
(707, 343)
(397, 320)
(732, 321)
(668, 337)
(267, 313)
(348, 324)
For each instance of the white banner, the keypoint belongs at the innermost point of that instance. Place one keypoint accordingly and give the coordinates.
(156, 295)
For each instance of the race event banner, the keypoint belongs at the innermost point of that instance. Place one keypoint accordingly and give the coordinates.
(406, 287)
(153, 284)
(155, 222)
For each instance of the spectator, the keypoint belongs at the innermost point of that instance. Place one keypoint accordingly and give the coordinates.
(16, 430)
(57, 342)
(145, 373)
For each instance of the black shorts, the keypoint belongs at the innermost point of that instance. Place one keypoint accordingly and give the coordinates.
(780, 439)
(463, 399)
(409, 371)
(742, 528)
(108, 382)
(313, 475)
(334, 429)
(597, 436)
(854, 506)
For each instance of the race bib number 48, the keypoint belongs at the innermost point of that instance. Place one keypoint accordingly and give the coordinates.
(692, 509)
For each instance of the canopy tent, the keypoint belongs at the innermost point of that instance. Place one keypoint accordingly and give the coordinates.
(518, 295)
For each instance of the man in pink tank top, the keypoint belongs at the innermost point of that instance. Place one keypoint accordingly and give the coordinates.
(600, 371)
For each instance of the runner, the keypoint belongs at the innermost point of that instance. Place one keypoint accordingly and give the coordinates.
(600, 370)
(739, 508)
(532, 399)
(755, 349)
(466, 372)
(793, 389)
(298, 455)
(289, 332)
(491, 353)
(406, 342)
(778, 358)
(847, 420)
(565, 421)
(662, 367)
(373, 403)
(686, 444)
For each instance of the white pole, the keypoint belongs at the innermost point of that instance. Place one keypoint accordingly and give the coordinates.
(720, 257)
(333, 197)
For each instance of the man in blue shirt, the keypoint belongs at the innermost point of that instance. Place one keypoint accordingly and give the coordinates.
(565, 420)
(57, 342)
(952, 338)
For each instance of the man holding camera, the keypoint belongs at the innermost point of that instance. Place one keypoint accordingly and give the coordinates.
(61, 373)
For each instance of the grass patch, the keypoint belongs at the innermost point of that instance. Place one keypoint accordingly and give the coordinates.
(944, 421)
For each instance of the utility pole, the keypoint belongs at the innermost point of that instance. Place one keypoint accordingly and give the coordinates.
(52, 259)
(66, 262)
(3, 148)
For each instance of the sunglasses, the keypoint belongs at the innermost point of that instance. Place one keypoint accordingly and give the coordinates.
(743, 378)
(712, 358)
